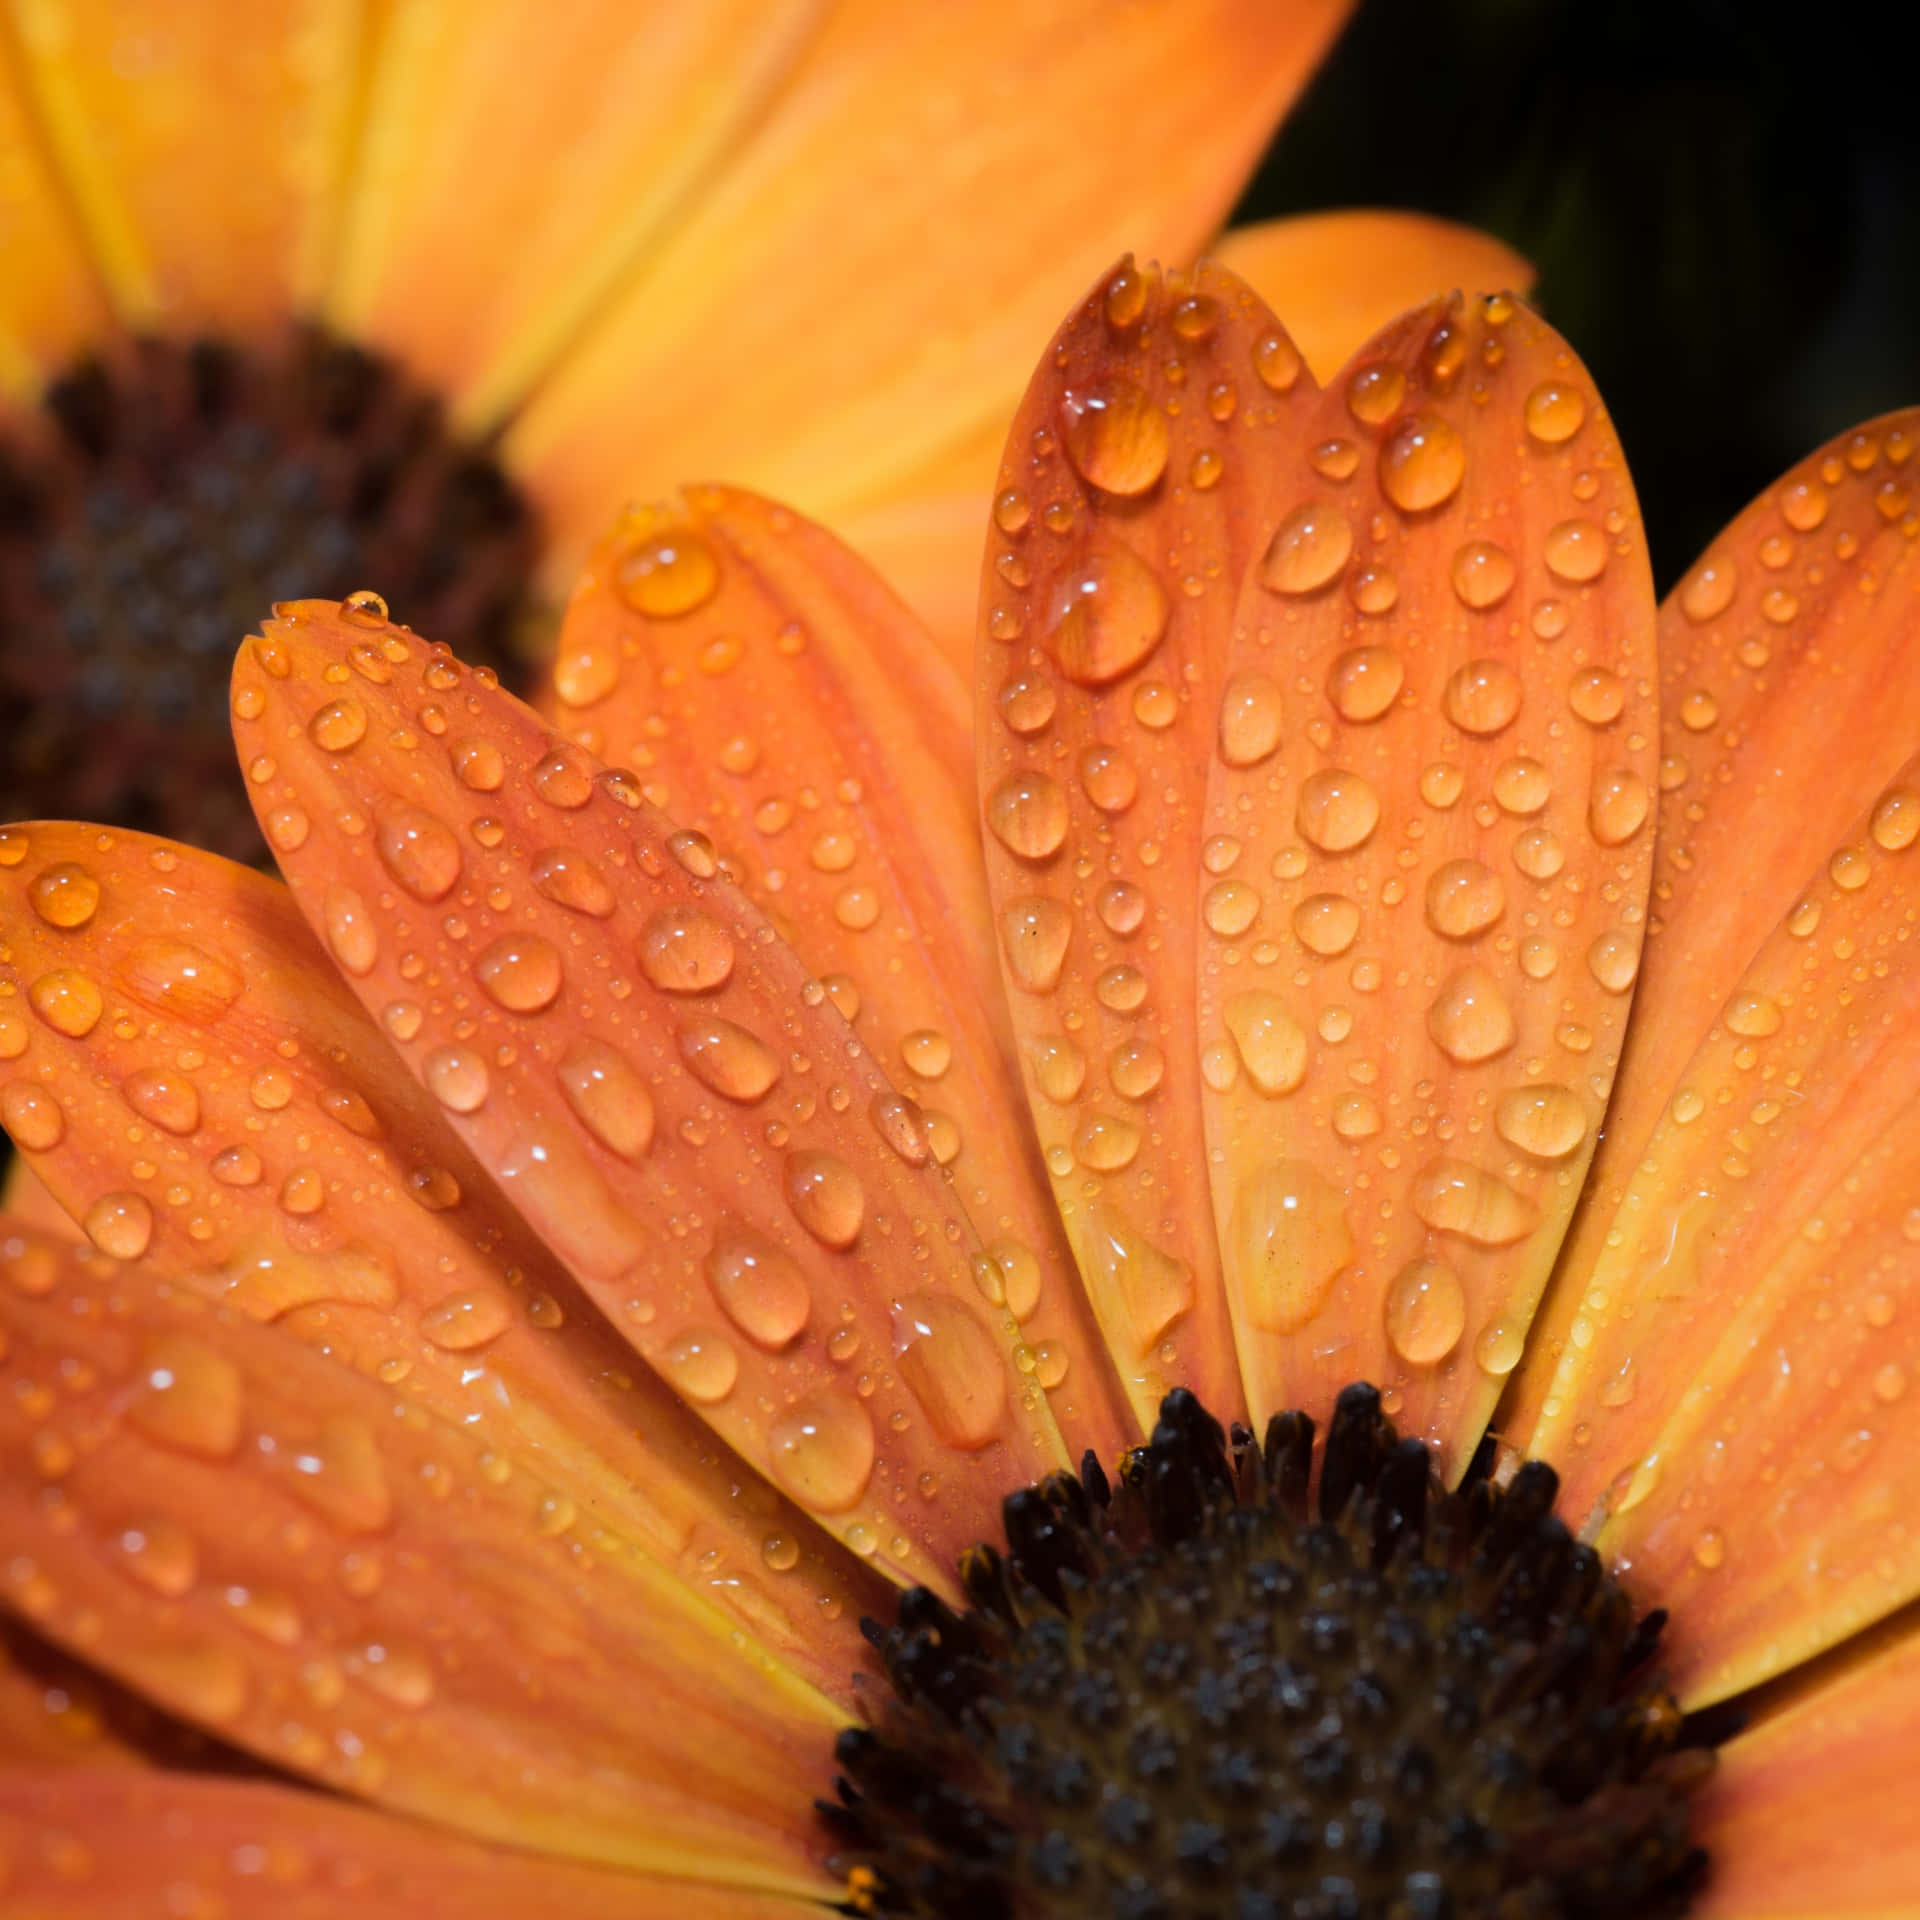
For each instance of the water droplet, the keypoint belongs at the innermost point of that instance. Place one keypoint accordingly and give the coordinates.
(1108, 780)
(1374, 393)
(237, 1167)
(1308, 549)
(701, 1365)
(1277, 361)
(1230, 908)
(1555, 412)
(563, 779)
(1249, 719)
(1753, 1016)
(520, 972)
(952, 1367)
(571, 880)
(1521, 786)
(1619, 805)
(1059, 1067)
(1116, 437)
(1337, 810)
(353, 935)
(1896, 819)
(341, 1475)
(1575, 551)
(1136, 1068)
(68, 1001)
(826, 1197)
(735, 1063)
(1122, 907)
(65, 895)
(1708, 590)
(1326, 923)
(1483, 574)
(1035, 934)
(1597, 696)
(1126, 298)
(1103, 1143)
(683, 950)
(457, 1078)
(758, 1287)
(1027, 812)
(821, 1450)
(1271, 1044)
(1287, 1242)
(1483, 696)
(1469, 1019)
(1026, 702)
(1335, 459)
(1374, 590)
(1546, 1121)
(187, 1396)
(1464, 899)
(160, 1555)
(420, 852)
(1111, 614)
(467, 1319)
(1422, 463)
(667, 574)
(1364, 682)
(1452, 1196)
(33, 1116)
(120, 1225)
(364, 608)
(339, 726)
(1498, 1348)
(1614, 961)
(1425, 1312)
(1122, 988)
(477, 764)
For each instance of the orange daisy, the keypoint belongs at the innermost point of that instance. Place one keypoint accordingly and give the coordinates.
(530, 1314)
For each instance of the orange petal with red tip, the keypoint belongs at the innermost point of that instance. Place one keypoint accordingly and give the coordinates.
(1132, 498)
(562, 187)
(103, 1846)
(50, 308)
(1430, 785)
(1340, 278)
(659, 1086)
(203, 156)
(1735, 1392)
(297, 1559)
(835, 312)
(1789, 697)
(799, 717)
(1809, 1815)
(273, 1148)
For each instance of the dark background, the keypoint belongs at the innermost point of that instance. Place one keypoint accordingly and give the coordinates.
(1723, 203)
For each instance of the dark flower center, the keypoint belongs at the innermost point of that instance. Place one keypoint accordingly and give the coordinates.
(1198, 1693)
(161, 506)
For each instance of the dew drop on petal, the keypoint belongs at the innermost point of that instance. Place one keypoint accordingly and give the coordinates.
(1116, 437)
(187, 1396)
(1249, 719)
(1469, 1018)
(682, 950)
(457, 1078)
(1364, 682)
(826, 1196)
(727, 1058)
(1546, 1121)
(1111, 614)
(758, 1287)
(1337, 810)
(1453, 1196)
(1034, 935)
(1287, 1240)
(1308, 549)
(1555, 412)
(1425, 1311)
(821, 1450)
(1422, 463)
(952, 1367)
(701, 1365)
(1271, 1044)
(420, 851)
(668, 574)
(65, 895)
(1027, 812)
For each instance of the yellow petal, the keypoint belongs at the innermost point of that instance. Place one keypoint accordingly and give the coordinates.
(929, 191)
(292, 1556)
(515, 164)
(1341, 277)
(1788, 700)
(554, 959)
(1132, 499)
(202, 152)
(100, 1846)
(801, 719)
(301, 1176)
(1431, 772)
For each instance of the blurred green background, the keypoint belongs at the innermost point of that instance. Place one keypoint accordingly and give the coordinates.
(1723, 202)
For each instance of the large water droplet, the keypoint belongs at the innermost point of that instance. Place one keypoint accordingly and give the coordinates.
(1337, 810)
(187, 1396)
(120, 1225)
(457, 1078)
(467, 1319)
(1134, 1283)
(1618, 806)
(160, 1555)
(1464, 898)
(353, 935)
(826, 1196)
(1326, 923)
(1249, 719)
(339, 726)
(760, 1289)
(33, 1116)
(1035, 934)
(1364, 682)
(667, 574)
(1111, 614)
(68, 1000)
(1108, 779)
(1555, 412)
(571, 880)
(1575, 551)
(1116, 437)
(520, 972)
(951, 1365)
(1059, 1067)
(1308, 549)
(1469, 1019)
(683, 950)
(1104, 1143)
(1547, 1121)
(701, 1365)
(1452, 1196)
(1028, 814)
(727, 1058)
(1483, 696)
(65, 896)
(821, 1450)
(1425, 1312)
(1374, 393)
(342, 1475)
(1482, 574)
(1288, 1240)
(1271, 1044)
(420, 851)
(1422, 463)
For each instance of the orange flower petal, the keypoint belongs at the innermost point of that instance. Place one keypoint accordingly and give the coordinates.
(24, 1195)
(50, 308)
(1340, 278)
(1810, 1813)
(292, 1556)
(932, 188)
(1735, 1390)
(1133, 498)
(1789, 698)
(506, 181)
(800, 718)
(663, 1092)
(55, 1713)
(101, 1846)
(275, 1150)
(1431, 780)
(204, 155)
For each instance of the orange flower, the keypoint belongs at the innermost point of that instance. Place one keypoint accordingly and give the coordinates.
(525, 1326)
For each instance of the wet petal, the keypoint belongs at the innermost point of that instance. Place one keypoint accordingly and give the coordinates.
(1340, 278)
(233, 1105)
(299, 1560)
(1736, 1386)
(50, 308)
(660, 1088)
(562, 187)
(1131, 500)
(107, 1844)
(203, 157)
(995, 164)
(1430, 783)
(24, 1195)
(54, 1712)
(1788, 700)
(801, 719)
(1810, 1812)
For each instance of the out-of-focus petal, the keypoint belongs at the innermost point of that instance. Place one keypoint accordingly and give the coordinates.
(1133, 498)
(233, 1095)
(932, 188)
(1789, 697)
(105, 1846)
(1340, 278)
(50, 305)
(517, 160)
(55, 1713)
(293, 1557)
(1810, 1814)
(202, 146)
(660, 1088)
(1431, 770)
(801, 718)
(24, 1195)
(1736, 1388)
